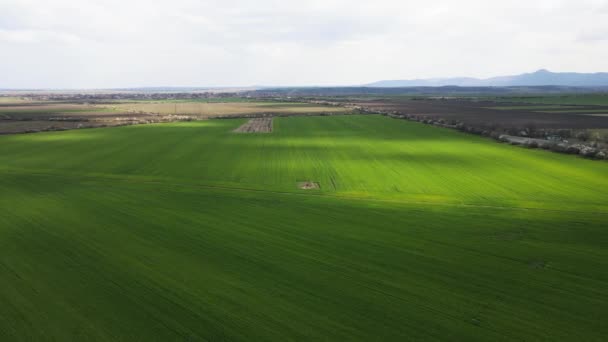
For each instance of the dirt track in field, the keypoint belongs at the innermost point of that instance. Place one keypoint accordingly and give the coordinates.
(256, 125)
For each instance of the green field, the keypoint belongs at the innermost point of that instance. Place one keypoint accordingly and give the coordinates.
(187, 231)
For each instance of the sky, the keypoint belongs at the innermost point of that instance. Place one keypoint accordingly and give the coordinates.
(131, 43)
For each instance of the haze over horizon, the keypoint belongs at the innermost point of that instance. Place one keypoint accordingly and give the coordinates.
(134, 43)
(537, 78)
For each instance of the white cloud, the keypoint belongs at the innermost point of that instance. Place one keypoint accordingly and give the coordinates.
(29, 36)
(116, 43)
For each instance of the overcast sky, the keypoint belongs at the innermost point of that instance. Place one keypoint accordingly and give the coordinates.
(127, 43)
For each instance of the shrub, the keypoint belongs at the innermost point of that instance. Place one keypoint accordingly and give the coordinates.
(548, 145)
(559, 148)
(582, 135)
(588, 152)
(532, 144)
(503, 138)
(564, 133)
(572, 150)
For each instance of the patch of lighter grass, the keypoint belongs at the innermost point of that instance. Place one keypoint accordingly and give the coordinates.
(57, 136)
(11, 99)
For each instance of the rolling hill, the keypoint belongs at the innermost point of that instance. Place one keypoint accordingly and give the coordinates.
(539, 78)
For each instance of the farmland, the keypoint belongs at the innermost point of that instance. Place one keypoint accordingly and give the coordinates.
(599, 99)
(202, 109)
(187, 230)
(19, 115)
(574, 129)
(498, 112)
(27, 115)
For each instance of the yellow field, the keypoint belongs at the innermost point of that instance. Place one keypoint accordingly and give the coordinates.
(11, 99)
(45, 107)
(220, 109)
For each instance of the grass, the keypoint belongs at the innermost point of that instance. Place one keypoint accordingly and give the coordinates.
(188, 231)
(344, 154)
(11, 99)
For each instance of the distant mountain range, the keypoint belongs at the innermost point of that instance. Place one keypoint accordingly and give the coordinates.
(541, 80)
(538, 78)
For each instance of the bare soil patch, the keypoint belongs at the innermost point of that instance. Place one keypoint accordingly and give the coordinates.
(483, 113)
(256, 125)
(308, 185)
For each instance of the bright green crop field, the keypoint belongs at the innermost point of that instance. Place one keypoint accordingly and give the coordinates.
(189, 232)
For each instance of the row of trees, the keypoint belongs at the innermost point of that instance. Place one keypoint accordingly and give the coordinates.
(581, 142)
